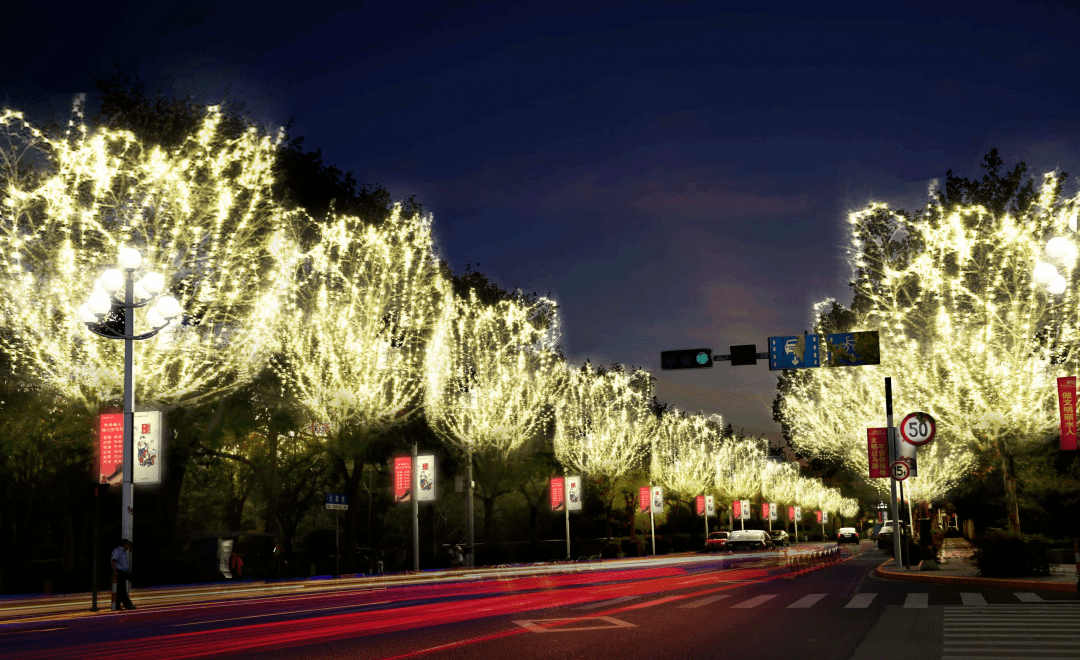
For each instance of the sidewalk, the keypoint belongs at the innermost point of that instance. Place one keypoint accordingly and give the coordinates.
(958, 567)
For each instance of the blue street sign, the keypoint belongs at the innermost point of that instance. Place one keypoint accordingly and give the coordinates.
(337, 501)
(852, 349)
(797, 352)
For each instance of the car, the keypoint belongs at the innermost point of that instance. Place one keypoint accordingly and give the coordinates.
(779, 537)
(885, 537)
(749, 539)
(847, 535)
(717, 541)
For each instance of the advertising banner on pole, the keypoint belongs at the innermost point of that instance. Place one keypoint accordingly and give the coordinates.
(736, 509)
(764, 510)
(877, 446)
(772, 511)
(710, 506)
(403, 479)
(558, 500)
(1067, 408)
(573, 493)
(818, 516)
(644, 498)
(110, 448)
(791, 513)
(824, 516)
(907, 455)
(745, 509)
(426, 485)
(657, 499)
(700, 505)
(798, 513)
(147, 469)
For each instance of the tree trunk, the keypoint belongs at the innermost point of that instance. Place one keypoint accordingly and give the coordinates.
(489, 519)
(630, 504)
(1008, 473)
(609, 509)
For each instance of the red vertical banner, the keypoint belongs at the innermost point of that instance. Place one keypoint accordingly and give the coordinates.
(403, 479)
(644, 498)
(558, 494)
(1067, 406)
(791, 513)
(701, 505)
(819, 516)
(877, 446)
(881, 516)
(764, 510)
(110, 448)
(736, 509)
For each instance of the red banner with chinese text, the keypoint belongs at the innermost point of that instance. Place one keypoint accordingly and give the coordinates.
(111, 448)
(791, 513)
(558, 497)
(645, 498)
(1067, 406)
(818, 516)
(736, 509)
(403, 479)
(877, 447)
(700, 505)
(764, 510)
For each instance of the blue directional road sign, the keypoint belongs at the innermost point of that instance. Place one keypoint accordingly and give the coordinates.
(852, 349)
(337, 501)
(797, 352)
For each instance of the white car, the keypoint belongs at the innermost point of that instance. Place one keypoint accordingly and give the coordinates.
(847, 535)
(749, 539)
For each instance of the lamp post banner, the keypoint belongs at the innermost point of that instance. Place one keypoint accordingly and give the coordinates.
(110, 448)
(147, 448)
(798, 513)
(426, 492)
(791, 513)
(824, 516)
(745, 509)
(1067, 407)
(819, 516)
(699, 503)
(736, 509)
(764, 510)
(657, 499)
(644, 497)
(877, 446)
(772, 511)
(555, 487)
(403, 479)
(573, 493)
(710, 505)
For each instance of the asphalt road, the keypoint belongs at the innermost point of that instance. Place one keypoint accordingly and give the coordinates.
(741, 606)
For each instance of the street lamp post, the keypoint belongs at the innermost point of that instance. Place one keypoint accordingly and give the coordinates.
(102, 314)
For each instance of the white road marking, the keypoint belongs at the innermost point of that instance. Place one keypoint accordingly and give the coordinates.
(860, 601)
(972, 600)
(754, 602)
(605, 603)
(806, 601)
(1028, 597)
(916, 601)
(704, 601)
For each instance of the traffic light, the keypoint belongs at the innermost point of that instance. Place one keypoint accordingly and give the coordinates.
(743, 354)
(691, 358)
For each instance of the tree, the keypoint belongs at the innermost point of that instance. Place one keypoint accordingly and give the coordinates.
(682, 456)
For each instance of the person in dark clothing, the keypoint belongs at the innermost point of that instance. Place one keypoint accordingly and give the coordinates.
(121, 566)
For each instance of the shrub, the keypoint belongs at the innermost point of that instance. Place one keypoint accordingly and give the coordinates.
(631, 548)
(609, 550)
(1001, 554)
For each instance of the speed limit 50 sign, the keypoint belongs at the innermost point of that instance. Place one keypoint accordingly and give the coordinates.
(918, 428)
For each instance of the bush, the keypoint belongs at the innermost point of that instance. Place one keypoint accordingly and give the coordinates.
(609, 551)
(631, 548)
(1001, 554)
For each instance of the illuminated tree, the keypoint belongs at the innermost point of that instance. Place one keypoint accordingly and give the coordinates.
(493, 377)
(603, 426)
(367, 301)
(683, 454)
(970, 337)
(779, 480)
(739, 466)
(202, 215)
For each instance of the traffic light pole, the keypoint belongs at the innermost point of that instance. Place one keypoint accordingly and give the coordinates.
(897, 527)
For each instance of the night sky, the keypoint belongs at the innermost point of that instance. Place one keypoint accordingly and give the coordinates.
(674, 175)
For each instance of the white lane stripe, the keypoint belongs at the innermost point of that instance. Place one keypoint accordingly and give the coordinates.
(972, 600)
(916, 601)
(604, 603)
(1042, 635)
(704, 601)
(1011, 657)
(1028, 597)
(806, 601)
(998, 643)
(860, 601)
(754, 602)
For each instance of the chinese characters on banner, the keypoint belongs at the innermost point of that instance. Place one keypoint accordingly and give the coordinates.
(403, 479)
(877, 446)
(700, 502)
(736, 509)
(710, 506)
(426, 477)
(556, 487)
(745, 509)
(764, 510)
(657, 499)
(772, 511)
(819, 516)
(573, 493)
(147, 448)
(1067, 406)
(111, 448)
(791, 513)
(644, 497)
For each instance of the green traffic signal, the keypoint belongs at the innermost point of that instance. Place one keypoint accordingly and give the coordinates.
(693, 358)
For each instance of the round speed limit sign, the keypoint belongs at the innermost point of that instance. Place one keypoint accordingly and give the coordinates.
(899, 470)
(918, 428)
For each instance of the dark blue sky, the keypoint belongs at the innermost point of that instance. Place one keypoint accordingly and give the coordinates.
(675, 175)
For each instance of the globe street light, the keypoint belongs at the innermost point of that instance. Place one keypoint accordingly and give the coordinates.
(110, 313)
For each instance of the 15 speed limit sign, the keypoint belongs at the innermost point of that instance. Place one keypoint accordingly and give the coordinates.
(899, 470)
(918, 428)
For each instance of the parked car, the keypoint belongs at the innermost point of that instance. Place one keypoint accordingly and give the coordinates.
(885, 536)
(749, 539)
(779, 537)
(847, 535)
(717, 541)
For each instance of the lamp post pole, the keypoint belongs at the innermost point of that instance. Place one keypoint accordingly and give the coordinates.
(128, 493)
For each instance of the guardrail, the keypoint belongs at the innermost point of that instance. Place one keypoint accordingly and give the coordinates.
(804, 562)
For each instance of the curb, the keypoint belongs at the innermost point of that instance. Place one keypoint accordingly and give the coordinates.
(975, 581)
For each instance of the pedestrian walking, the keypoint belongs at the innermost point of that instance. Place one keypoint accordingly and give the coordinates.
(122, 573)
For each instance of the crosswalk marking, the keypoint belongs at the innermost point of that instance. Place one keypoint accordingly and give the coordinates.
(916, 601)
(1028, 597)
(704, 601)
(860, 601)
(971, 600)
(754, 602)
(1041, 629)
(806, 601)
(604, 603)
